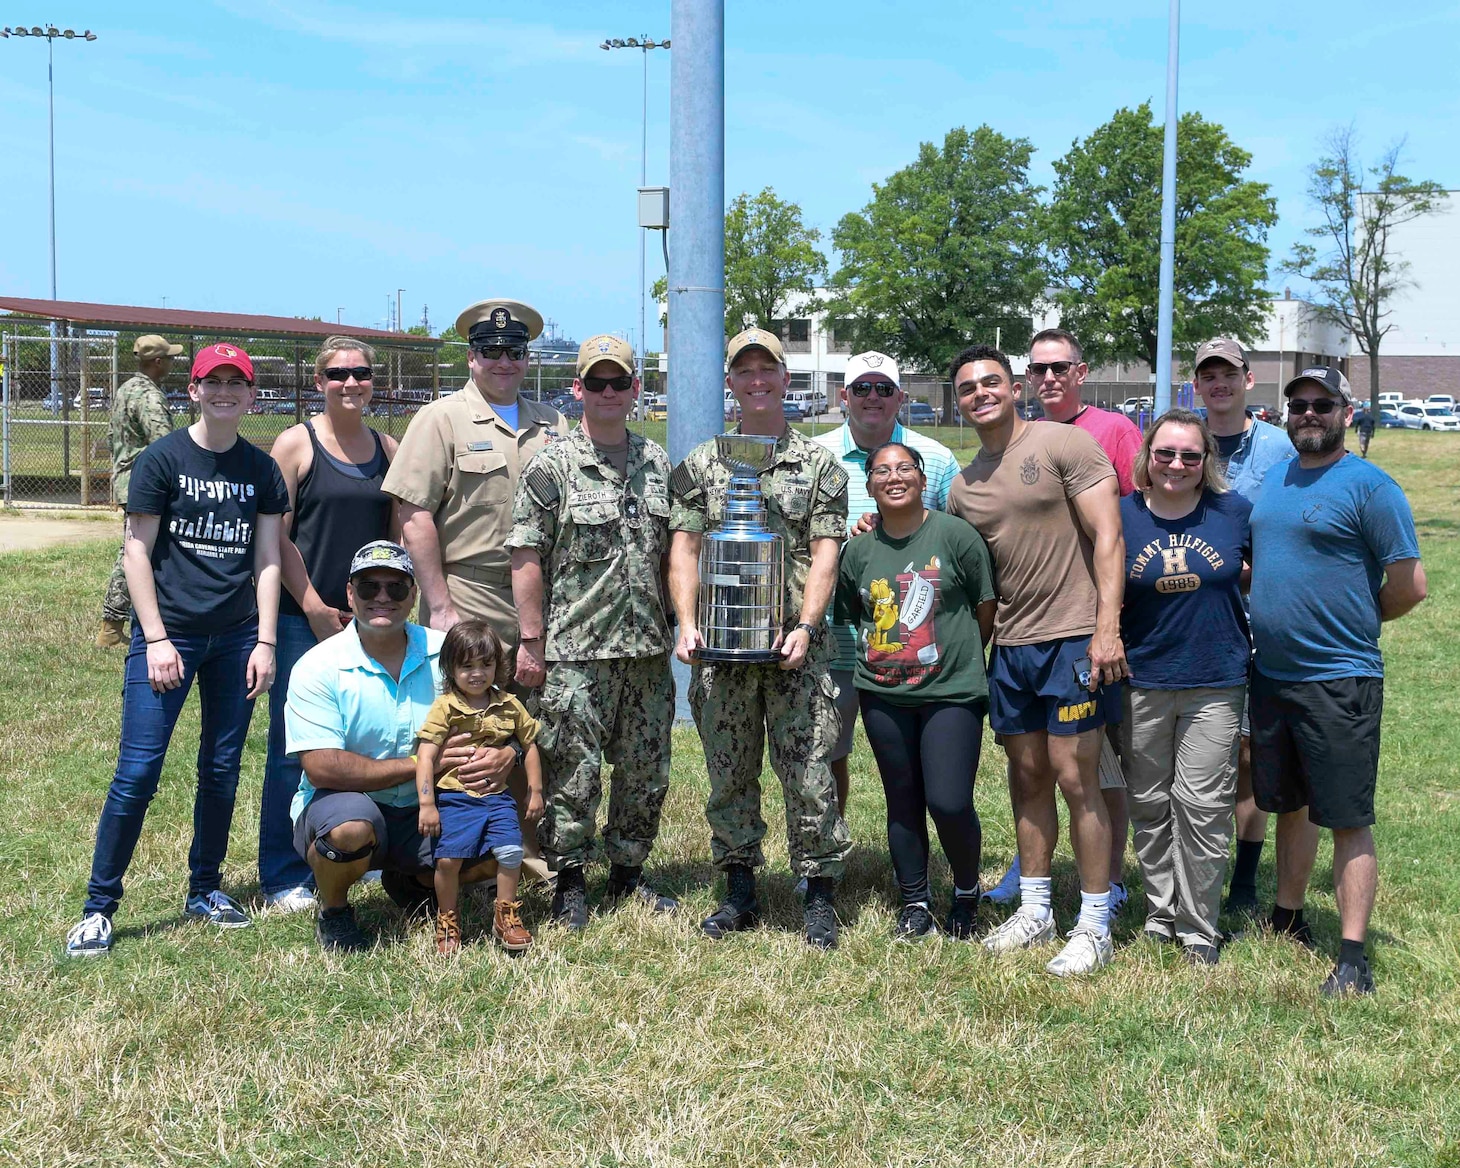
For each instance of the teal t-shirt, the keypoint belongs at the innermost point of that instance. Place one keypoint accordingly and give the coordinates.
(914, 603)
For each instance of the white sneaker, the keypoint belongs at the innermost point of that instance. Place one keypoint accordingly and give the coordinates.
(1020, 931)
(1084, 952)
(90, 937)
(293, 900)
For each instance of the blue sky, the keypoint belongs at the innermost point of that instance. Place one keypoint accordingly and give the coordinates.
(306, 156)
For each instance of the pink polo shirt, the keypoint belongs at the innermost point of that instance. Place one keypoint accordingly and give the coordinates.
(1118, 436)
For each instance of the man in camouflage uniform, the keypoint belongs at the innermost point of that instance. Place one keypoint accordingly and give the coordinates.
(735, 705)
(139, 417)
(589, 539)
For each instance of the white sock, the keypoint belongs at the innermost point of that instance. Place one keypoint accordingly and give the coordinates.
(1034, 894)
(1094, 911)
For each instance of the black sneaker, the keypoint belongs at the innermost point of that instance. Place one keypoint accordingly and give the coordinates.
(914, 923)
(570, 900)
(625, 883)
(740, 910)
(1242, 902)
(1302, 934)
(820, 912)
(337, 929)
(1200, 954)
(1347, 979)
(962, 922)
(411, 897)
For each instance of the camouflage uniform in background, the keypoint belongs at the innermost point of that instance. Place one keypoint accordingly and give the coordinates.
(608, 694)
(735, 705)
(139, 417)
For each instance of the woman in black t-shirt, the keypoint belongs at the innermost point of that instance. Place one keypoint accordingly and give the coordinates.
(202, 563)
(333, 466)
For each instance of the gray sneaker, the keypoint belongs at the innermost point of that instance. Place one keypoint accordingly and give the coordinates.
(216, 908)
(337, 929)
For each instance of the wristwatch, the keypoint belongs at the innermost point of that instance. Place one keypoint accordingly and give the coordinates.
(810, 628)
(519, 750)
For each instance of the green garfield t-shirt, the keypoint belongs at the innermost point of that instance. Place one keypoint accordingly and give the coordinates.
(914, 603)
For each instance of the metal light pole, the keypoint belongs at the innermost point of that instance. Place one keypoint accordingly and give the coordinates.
(51, 34)
(1168, 219)
(643, 45)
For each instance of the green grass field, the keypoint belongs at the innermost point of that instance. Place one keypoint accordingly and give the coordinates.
(640, 1043)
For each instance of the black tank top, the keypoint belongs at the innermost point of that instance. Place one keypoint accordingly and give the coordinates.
(338, 508)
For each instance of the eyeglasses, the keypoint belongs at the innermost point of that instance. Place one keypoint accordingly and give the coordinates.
(231, 383)
(495, 352)
(903, 470)
(622, 383)
(1301, 405)
(345, 372)
(1186, 457)
(397, 590)
(1058, 368)
(863, 388)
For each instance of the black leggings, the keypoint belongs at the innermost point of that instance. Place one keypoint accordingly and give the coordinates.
(928, 756)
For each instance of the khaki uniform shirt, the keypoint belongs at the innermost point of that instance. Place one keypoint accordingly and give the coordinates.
(504, 719)
(806, 498)
(139, 417)
(460, 461)
(601, 537)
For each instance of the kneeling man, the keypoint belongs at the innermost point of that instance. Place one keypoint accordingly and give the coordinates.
(355, 703)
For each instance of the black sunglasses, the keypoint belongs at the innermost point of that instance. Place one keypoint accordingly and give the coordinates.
(345, 372)
(397, 590)
(1302, 405)
(1186, 457)
(623, 383)
(863, 388)
(1058, 368)
(493, 352)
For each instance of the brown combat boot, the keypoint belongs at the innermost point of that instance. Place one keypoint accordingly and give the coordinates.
(111, 634)
(448, 933)
(508, 928)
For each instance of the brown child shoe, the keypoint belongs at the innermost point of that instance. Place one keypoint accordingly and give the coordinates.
(448, 933)
(111, 634)
(508, 928)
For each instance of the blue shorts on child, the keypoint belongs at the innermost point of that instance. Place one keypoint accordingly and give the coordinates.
(473, 827)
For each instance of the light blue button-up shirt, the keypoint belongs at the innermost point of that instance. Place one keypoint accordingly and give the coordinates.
(341, 698)
(940, 465)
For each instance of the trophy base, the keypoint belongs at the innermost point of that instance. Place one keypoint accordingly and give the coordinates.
(737, 656)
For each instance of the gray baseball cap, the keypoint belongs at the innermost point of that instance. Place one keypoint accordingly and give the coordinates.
(381, 553)
(1328, 377)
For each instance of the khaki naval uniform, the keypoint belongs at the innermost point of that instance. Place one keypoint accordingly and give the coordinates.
(460, 461)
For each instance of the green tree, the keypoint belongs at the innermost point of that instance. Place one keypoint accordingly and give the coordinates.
(770, 257)
(944, 253)
(1356, 275)
(1103, 232)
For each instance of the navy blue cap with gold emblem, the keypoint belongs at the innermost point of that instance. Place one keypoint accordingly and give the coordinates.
(499, 322)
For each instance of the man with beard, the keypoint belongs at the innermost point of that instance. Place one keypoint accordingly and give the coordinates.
(1334, 555)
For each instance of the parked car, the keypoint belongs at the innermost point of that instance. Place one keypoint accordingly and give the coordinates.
(1388, 419)
(1030, 409)
(656, 408)
(793, 411)
(1447, 400)
(918, 413)
(1134, 405)
(1413, 417)
(97, 400)
(572, 408)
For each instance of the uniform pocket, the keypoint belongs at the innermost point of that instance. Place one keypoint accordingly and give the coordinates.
(482, 478)
(596, 530)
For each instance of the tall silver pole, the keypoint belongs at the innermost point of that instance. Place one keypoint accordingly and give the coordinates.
(643, 182)
(1168, 218)
(697, 213)
(51, 91)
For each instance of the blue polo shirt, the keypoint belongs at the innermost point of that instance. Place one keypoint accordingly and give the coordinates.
(341, 698)
(940, 465)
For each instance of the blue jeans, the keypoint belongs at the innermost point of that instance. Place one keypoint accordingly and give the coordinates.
(280, 866)
(219, 663)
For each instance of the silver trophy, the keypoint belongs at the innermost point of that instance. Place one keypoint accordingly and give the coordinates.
(742, 574)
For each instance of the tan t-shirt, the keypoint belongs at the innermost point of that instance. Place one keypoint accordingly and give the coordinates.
(1021, 503)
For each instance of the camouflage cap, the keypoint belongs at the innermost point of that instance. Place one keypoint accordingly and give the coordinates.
(605, 347)
(381, 553)
(754, 338)
(152, 346)
(1223, 349)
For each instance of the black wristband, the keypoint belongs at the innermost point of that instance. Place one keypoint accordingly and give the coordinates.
(270, 644)
(158, 640)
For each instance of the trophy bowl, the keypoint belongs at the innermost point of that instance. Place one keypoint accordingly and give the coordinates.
(742, 570)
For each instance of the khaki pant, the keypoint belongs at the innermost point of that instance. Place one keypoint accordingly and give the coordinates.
(1181, 784)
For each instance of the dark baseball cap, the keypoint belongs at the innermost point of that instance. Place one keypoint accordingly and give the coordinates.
(1328, 377)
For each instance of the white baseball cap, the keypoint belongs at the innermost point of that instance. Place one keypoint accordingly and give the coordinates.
(871, 362)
